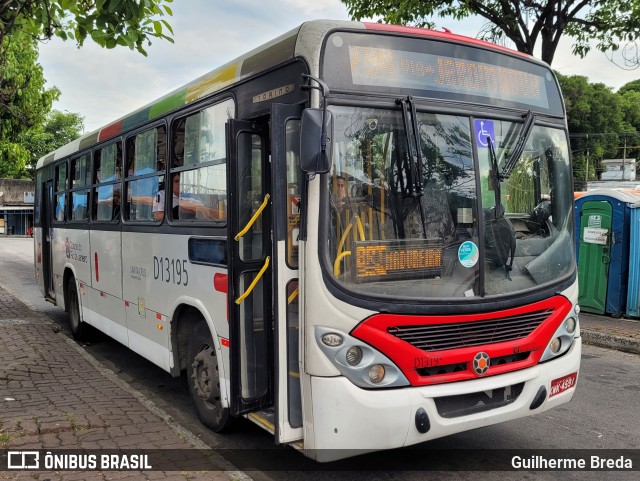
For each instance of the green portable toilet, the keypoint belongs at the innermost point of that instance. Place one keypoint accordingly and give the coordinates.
(594, 255)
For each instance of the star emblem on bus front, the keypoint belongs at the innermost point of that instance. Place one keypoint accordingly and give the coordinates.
(481, 363)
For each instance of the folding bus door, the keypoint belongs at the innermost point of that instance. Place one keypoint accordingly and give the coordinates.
(249, 247)
(287, 188)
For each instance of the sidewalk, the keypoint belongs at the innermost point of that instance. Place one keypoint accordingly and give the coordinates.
(55, 396)
(603, 331)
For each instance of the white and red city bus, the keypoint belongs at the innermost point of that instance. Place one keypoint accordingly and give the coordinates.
(368, 243)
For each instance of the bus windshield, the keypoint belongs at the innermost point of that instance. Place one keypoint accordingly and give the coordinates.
(433, 222)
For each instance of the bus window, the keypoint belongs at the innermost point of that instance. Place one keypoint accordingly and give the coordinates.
(107, 168)
(293, 191)
(61, 197)
(199, 158)
(146, 154)
(80, 171)
(80, 180)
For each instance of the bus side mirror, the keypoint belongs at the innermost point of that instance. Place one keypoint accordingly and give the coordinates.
(315, 141)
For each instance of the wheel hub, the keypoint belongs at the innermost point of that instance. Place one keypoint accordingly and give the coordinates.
(205, 375)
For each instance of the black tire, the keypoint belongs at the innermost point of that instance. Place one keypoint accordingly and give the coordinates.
(204, 379)
(75, 320)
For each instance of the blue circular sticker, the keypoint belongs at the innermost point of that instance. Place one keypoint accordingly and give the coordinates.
(468, 254)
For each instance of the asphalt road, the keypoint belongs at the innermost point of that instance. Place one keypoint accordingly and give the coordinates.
(604, 414)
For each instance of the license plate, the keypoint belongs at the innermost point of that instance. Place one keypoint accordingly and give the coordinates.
(562, 384)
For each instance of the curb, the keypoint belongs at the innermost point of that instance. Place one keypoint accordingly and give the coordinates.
(227, 468)
(611, 341)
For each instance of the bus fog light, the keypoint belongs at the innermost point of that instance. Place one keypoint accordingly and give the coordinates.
(570, 325)
(332, 339)
(354, 356)
(376, 373)
(555, 345)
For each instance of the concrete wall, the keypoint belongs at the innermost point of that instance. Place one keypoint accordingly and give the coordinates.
(13, 191)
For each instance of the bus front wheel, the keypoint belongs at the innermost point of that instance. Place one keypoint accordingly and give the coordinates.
(75, 321)
(204, 379)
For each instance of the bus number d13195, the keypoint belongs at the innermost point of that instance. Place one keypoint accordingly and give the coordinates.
(170, 270)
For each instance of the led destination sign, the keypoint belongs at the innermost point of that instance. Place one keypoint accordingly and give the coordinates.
(428, 68)
(383, 67)
(387, 260)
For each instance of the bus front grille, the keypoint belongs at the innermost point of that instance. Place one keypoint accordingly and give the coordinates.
(441, 337)
(477, 402)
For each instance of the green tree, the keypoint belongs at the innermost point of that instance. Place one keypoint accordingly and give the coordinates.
(58, 129)
(24, 103)
(596, 118)
(525, 23)
(109, 23)
(633, 86)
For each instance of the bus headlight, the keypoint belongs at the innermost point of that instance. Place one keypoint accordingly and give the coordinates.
(376, 373)
(354, 356)
(363, 365)
(562, 339)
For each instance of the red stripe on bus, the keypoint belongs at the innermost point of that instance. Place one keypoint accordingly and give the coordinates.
(110, 131)
(95, 259)
(447, 35)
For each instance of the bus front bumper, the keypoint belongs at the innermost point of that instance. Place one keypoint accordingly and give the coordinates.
(348, 420)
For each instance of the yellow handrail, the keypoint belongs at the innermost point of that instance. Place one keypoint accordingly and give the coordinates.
(336, 264)
(254, 218)
(293, 296)
(344, 237)
(255, 281)
(360, 227)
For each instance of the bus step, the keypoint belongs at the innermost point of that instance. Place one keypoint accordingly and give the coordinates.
(52, 300)
(265, 419)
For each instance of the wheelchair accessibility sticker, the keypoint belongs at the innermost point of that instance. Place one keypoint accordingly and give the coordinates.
(483, 130)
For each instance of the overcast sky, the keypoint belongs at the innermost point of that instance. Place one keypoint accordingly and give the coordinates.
(104, 85)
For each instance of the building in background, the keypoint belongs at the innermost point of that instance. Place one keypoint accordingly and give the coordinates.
(16, 206)
(619, 169)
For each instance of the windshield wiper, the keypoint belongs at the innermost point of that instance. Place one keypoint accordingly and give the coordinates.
(496, 177)
(414, 153)
(519, 147)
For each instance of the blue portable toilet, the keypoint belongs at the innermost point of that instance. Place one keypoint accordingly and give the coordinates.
(633, 294)
(603, 229)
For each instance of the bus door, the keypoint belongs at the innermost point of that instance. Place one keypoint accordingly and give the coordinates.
(286, 175)
(46, 213)
(249, 248)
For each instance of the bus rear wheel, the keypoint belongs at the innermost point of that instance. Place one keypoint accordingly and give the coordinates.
(204, 379)
(75, 320)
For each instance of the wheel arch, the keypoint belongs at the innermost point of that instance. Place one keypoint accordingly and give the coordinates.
(68, 274)
(186, 313)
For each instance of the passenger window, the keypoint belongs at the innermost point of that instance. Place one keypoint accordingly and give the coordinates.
(146, 155)
(61, 197)
(80, 182)
(199, 165)
(107, 164)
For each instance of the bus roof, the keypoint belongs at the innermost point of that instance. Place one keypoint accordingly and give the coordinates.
(304, 41)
